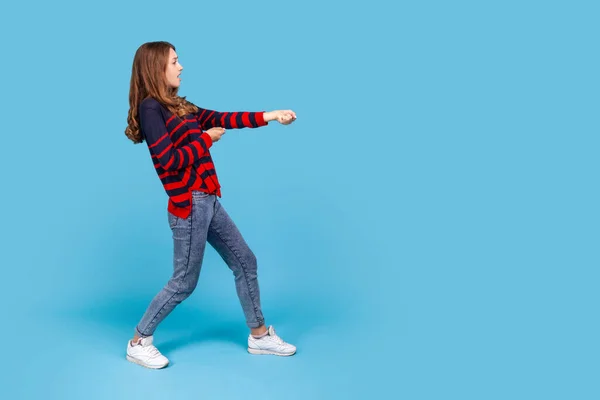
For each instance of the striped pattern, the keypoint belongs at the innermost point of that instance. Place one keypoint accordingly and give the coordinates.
(179, 148)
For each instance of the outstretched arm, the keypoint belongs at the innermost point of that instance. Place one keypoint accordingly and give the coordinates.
(242, 119)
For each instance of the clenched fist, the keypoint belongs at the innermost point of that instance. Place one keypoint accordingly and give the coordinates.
(216, 133)
(284, 117)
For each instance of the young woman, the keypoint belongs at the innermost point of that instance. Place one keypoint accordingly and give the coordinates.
(179, 136)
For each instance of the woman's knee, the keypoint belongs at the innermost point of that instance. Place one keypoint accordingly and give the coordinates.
(249, 260)
(245, 263)
(183, 288)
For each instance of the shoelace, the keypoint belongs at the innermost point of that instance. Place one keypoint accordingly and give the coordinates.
(277, 339)
(153, 351)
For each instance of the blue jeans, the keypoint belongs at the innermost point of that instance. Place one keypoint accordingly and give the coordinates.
(208, 221)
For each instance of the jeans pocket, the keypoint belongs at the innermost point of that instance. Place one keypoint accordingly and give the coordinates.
(173, 219)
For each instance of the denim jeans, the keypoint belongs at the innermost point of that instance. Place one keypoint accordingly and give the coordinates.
(208, 221)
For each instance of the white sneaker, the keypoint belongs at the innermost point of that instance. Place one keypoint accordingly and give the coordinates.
(270, 344)
(146, 354)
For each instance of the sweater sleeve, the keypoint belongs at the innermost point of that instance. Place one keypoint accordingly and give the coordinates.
(229, 120)
(163, 152)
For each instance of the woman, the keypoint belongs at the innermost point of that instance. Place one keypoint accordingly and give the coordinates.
(179, 136)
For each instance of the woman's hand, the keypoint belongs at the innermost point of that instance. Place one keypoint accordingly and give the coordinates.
(284, 117)
(216, 133)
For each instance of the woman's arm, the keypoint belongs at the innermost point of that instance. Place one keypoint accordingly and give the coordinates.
(229, 120)
(242, 119)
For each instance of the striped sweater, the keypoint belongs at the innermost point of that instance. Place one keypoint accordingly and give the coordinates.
(179, 148)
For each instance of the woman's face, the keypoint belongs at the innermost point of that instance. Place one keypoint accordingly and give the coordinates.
(173, 70)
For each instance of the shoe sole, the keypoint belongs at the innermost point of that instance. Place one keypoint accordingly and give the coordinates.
(139, 362)
(264, 352)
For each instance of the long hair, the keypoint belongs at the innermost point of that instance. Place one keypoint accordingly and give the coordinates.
(148, 79)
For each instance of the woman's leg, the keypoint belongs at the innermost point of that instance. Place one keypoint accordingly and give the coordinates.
(225, 237)
(189, 240)
(227, 240)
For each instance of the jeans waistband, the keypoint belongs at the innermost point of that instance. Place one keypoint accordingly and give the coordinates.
(198, 193)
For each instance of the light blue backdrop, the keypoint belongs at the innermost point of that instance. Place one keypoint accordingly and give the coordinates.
(426, 229)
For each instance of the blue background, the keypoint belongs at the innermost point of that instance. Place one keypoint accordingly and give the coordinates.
(426, 229)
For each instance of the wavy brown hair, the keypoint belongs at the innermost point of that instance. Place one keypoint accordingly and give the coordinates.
(148, 79)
